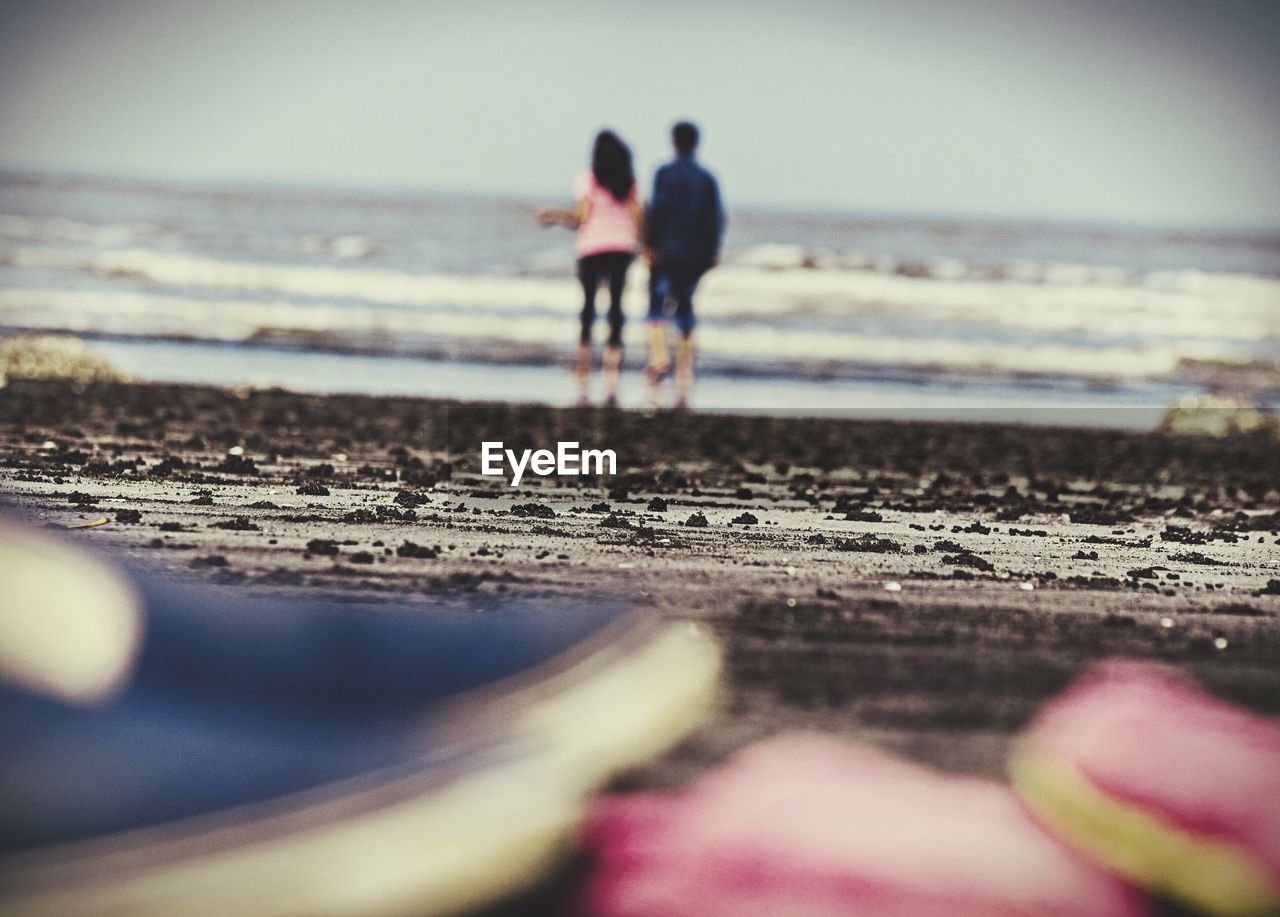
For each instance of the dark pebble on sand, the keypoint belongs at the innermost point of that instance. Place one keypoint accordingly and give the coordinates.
(1239, 609)
(129, 516)
(409, 499)
(969, 559)
(863, 515)
(615, 521)
(361, 557)
(533, 511)
(409, 549)
(658, 505)
(313, 489)
(1142, 573)
(238, 464)
(323, 547)
(746, 519)
(697, 521)
(213, 560)
(1195, 557)
(238, 524)
(870, 544)
(80, 499)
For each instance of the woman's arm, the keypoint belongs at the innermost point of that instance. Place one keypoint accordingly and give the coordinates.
(637, 215)
(559, 216)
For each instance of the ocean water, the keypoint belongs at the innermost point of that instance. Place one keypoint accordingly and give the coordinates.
(467, 297)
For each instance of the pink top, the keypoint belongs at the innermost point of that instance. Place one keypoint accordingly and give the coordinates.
(609, 226)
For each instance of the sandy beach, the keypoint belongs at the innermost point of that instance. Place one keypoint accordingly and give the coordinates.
(921, 586)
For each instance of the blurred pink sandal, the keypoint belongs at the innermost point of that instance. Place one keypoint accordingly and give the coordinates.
(808, 825)
(1140, 769)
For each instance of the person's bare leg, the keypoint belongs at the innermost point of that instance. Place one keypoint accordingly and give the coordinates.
(659, 360)
(582, 372)
(612, 366)
(685, 355)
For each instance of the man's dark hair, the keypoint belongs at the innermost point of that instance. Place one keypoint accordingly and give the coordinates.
(685, 136)
(611, 165)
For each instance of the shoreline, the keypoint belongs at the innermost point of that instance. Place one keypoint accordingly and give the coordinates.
(1020, 554)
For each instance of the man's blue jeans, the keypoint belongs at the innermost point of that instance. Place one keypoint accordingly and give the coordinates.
(673, 283)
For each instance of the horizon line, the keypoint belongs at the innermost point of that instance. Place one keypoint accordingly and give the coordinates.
(337, 186)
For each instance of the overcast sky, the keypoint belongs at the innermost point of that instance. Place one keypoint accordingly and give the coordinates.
(1159, 111)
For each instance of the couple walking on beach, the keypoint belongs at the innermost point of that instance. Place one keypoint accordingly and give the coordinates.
(679, 232)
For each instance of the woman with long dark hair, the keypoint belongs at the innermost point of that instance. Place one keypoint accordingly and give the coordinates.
(608, 216)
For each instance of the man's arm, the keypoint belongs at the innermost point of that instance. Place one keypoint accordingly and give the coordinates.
(656, 218)
(717, 221)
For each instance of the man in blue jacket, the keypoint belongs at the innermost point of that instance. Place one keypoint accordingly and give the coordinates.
(684, 229)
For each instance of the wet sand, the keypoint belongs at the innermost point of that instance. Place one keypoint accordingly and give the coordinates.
(923, 586)
(1021, 554)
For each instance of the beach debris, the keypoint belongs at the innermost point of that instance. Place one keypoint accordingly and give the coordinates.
(535, 511)
(87, 525)
(969, 559)
(236, 524)
(51, 357)
(1166, 623)
(892, 586)
(1195, 557)
(868, 543)
(1215, 416)
(409, 549)
(322, 547)
(1027, 587)
(410, 499)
